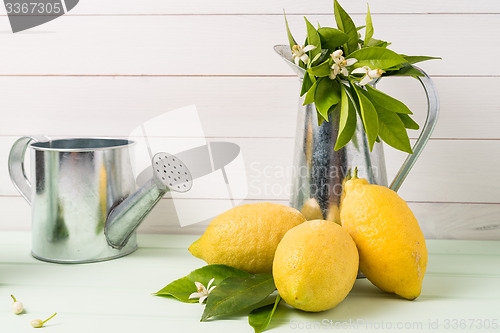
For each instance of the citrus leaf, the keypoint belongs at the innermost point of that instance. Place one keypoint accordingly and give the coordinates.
(183, 287)
(332, 38)
(376, 58)
(414, 59)
(327, 95)
(408, 122)
(369, 26)
(345, 24)
(260, 318)
(291, 40)
(316, 57)
(377, 42)
(381, 100)
(321, 70)
(320, 117)
(307, 83)
(347, 120)
(368, 116)
(313, 39)
(404, 70)
(393, 131)
(235, 294)
(310, 94)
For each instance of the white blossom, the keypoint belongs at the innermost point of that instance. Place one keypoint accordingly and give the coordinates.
(201, 291)
(340, 64)
(299, 53)
(369, 74)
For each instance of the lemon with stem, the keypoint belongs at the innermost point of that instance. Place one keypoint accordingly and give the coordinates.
(391, 245)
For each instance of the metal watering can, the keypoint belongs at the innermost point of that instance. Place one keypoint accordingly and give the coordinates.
(84, 202)
(319, 170)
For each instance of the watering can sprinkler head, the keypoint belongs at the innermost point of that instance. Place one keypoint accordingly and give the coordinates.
(171, 173)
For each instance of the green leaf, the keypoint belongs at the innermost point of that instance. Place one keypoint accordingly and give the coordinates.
(360, 27)
(393, 131)
(314, 59)
(377, 43)
(347, 120)
(313, 39)
(408, 122)
(321, 118)
(260, 318)
(404, 70)
(414, 59)
(327, 95)
(379, 99)
(345, 24)
(183, 287)
(332, 38)
(369, 26)
(307, 83)
(238, 293)
(321, 70)
(376, 57)
(368, 116)
(311, 94)
(291, 40)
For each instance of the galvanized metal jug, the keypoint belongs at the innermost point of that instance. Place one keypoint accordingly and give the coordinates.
(319, 170)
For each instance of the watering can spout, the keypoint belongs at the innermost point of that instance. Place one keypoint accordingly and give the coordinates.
(169, 174)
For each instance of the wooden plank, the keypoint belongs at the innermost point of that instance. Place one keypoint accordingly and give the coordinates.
(466, 111)
(460, 169)
(227, 107)
(259, 159)
(153, 45)
(437, 220)
(275, 7)
(458, 221)
(105, 106)
(451, 171)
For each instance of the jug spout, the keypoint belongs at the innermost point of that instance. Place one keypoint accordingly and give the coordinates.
(286, 54)
(169, 174)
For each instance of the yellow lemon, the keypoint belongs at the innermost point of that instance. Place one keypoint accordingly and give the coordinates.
(392, 251)
(311, 210)
(246, 236)
(315, 265)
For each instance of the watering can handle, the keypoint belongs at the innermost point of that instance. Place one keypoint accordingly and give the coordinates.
(16, 164)
(430, 123)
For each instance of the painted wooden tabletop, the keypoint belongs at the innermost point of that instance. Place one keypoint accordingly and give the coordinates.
(460, 293)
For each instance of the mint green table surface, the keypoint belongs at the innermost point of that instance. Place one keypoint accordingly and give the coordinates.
(461, 293)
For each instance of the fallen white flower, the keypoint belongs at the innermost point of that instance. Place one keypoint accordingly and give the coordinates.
(201, 291)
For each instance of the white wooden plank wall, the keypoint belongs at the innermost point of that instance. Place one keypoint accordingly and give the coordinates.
(109, 66)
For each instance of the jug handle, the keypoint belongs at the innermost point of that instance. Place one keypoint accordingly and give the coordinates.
(16, 164)
(430, 123)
